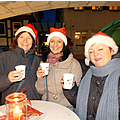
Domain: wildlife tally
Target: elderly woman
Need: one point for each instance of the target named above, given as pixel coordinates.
(98, 96)
(61, 61)
(22, 53)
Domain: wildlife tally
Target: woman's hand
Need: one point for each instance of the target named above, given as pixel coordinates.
(15, 76)
(62, 81)
(40, 73)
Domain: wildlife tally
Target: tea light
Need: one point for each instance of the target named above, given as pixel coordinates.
(17, 113)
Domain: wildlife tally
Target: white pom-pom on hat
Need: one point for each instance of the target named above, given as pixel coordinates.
(100, 37)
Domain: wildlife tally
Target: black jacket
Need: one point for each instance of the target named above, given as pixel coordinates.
(8, 61)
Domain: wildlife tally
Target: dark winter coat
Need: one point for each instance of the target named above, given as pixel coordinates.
(96, 89)
(8, 61)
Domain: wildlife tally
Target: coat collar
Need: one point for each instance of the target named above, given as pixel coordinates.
(21, 53)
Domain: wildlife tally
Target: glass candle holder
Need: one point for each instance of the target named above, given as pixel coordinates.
(16, 106)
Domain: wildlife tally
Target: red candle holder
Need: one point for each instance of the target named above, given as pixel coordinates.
(16, 106)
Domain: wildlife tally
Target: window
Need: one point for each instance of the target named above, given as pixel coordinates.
(81, 37)
(2, 29)
(93, 33)
(16, 25)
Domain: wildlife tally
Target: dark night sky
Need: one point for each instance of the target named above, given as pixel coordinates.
(49, 16)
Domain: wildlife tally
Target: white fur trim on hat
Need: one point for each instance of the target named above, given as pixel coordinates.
(57, 34)
(87, 61)
(106, 40)
(27, 29)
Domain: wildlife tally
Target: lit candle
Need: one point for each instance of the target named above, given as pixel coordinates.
(17, 113)
(16, 107)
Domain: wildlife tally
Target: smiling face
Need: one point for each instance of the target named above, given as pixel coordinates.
(100, 54)
(25, 41)
(56, 44)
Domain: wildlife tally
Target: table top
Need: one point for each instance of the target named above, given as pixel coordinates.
(51, 111)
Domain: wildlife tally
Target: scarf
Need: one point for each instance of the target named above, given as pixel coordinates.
(54, 58)
(108, 108)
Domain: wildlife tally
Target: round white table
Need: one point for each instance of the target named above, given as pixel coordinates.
(51, 111)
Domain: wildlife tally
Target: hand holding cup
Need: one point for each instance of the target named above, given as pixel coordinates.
(21, 68)
(18, 74)
(40, 73)
(42, 70)
(15, 76)
(67, 81)
(45, 67)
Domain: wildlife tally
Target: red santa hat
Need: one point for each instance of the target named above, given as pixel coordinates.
(61, 33)
(28, 28)
(100, 37)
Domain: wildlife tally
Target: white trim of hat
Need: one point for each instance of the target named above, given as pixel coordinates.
(27, 29)
(106, 40)
(57, 34)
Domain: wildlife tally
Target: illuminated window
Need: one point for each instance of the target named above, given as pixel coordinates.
(77, 35)
(79, 8)
(113, 8)
(75, 8)
(93, 33)
(81, 37)
(93, 7)
(84, 37)
(96, 7)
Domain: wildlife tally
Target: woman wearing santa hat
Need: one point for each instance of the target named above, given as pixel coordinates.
(61, 61)
(98, 96)
(22, 53)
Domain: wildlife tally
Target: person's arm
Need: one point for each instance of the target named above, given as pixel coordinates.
(40, 85)
(71, 95)
(77, 71)
(4, 81)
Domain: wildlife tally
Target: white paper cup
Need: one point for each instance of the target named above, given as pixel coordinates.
(68, 80)
(22, 69)
(45, 67)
